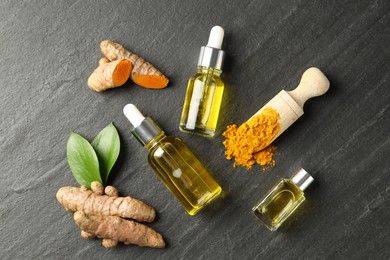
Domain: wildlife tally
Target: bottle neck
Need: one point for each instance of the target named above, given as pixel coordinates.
(211, 57)
(147, 131)
(155, 141)
(209, 70)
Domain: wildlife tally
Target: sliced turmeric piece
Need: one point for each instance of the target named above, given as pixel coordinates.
(114, 229)
(110, 74)
(148, 81)
(143, 74)
(80, 199)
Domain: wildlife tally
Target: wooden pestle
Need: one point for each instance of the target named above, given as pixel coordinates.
(289, 104)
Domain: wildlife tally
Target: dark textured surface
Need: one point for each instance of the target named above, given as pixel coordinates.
(49, 48)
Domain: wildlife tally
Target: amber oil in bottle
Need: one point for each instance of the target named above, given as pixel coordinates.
(282, 200)
(179, 169)
(205, 89)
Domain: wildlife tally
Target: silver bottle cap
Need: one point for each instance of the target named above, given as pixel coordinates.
(302, 179)
(146, 131)
(211, 57)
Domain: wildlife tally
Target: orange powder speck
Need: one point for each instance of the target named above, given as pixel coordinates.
(250, 143)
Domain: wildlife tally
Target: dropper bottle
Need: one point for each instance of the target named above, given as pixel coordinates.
(177, 166)
(205, 89)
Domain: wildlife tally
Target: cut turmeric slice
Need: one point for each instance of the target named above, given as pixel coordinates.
(143, 74)
(150, 81)
(110, 74)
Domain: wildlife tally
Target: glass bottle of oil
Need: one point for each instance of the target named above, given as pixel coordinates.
(177, 166)
(282, 200)
(205, 89)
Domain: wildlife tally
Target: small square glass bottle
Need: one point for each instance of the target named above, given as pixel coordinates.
(282, 200)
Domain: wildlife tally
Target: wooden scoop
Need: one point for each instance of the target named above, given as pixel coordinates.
(289, 104)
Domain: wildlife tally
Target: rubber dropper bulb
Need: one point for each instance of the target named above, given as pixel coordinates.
(216, 37)
(133, 115)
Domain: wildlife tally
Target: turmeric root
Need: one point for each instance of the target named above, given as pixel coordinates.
(118, 229)
(143, 74)
(100, 215)
(110, 74)
(79, 199)
(111, 191)
(97, 188)
(87, 235)
(109, 243)
(103, 61)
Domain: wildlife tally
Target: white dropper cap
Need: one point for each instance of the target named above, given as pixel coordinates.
(216, 37)
(133, 115)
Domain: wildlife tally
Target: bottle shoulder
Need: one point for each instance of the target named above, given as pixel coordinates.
(293, 187)
(173, 140)
(207, 73)
(201, 77)
(172, 146)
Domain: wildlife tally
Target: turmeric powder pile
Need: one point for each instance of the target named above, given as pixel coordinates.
(250, 142)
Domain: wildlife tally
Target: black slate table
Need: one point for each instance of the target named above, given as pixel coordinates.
(49, 48)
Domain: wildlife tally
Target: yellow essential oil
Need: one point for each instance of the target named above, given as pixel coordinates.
(208, 87)
(205, 89)
(182, 173)
(282, 200)
(179, 169)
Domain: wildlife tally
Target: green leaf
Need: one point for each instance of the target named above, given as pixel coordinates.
(107, 146)
(82, 160)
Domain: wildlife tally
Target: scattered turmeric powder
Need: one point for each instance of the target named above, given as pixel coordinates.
(250, 143)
